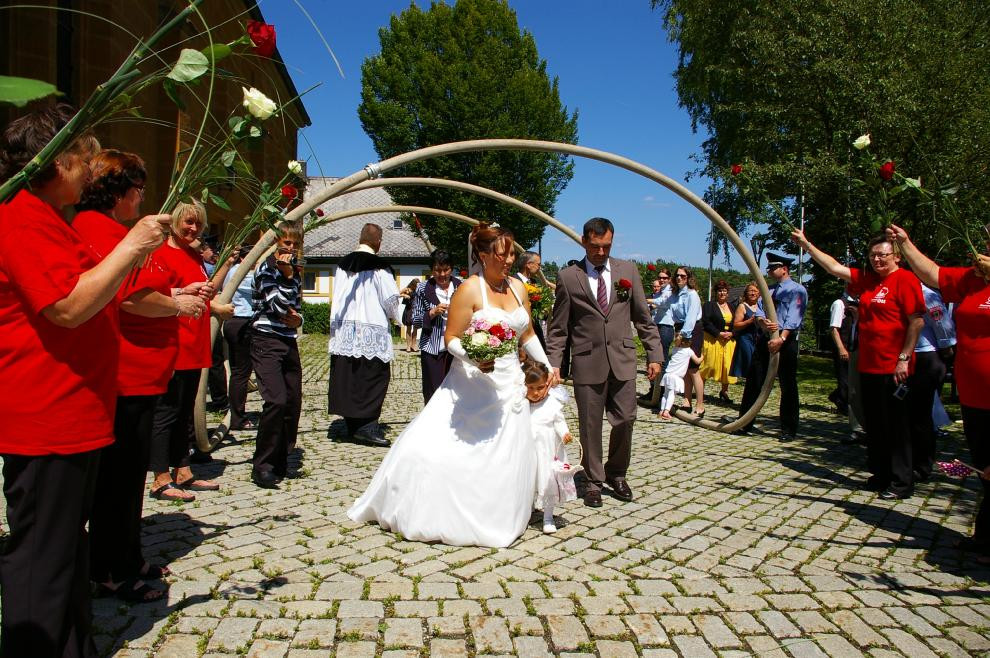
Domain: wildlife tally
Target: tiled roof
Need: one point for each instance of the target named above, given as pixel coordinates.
(340, 238)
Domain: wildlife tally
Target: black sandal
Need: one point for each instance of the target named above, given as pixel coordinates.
(159, 493)
(127, 591)
(154, 572)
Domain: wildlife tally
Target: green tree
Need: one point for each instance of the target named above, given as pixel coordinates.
(467, 72)
(785, 87)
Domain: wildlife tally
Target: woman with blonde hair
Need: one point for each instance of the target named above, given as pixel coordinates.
(172, 430)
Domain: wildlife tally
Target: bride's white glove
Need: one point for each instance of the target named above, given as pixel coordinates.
(457, 351)
(535, 350)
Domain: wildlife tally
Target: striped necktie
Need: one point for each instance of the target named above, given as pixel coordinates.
(602, 293)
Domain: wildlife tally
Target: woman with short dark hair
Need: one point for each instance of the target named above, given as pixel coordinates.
(719, 345)
(58, 374)
(148, 347)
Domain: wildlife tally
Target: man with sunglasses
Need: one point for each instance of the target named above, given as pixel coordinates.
(790, 299)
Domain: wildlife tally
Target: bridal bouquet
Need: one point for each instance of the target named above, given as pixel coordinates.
(486, 340)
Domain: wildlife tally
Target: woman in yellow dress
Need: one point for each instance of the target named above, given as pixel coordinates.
(716, 356)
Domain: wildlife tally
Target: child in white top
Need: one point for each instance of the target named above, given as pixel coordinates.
(554, 475)
(681, 357)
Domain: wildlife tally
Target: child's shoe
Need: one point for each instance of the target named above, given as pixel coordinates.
(549, 527)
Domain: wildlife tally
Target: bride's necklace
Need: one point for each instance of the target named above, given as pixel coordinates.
(503, 284)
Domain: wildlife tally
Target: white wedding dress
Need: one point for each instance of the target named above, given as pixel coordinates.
(464, 471)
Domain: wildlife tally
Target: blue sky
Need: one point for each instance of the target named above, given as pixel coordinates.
(615, 66)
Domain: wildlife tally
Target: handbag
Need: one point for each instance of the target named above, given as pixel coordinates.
(563, 472)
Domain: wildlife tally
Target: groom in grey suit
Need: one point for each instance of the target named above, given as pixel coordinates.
(594, 308)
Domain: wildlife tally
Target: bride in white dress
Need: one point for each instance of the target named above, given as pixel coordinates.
(464, 471)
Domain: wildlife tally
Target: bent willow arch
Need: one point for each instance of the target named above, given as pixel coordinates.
(377, 170)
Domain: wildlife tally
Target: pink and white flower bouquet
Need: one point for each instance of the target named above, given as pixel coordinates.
(486, 340)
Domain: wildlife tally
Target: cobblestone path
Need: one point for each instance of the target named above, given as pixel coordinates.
(733, 546)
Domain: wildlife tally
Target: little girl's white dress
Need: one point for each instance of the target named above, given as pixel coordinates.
(677, 366)
(554, 472)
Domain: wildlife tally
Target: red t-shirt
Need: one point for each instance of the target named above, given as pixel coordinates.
(149, 346)
(972, 315)
(884, 308)
(194, 334)
(59, 385)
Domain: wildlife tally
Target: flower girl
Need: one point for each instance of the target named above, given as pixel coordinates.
(555, 474)
(673, 377)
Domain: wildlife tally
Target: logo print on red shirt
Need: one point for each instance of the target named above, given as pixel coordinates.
(881, 296)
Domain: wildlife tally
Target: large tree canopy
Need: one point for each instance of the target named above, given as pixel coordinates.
(785, 87)
(467, 72)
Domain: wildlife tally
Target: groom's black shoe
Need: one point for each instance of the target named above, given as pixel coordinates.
(593, 498)
(620, 488)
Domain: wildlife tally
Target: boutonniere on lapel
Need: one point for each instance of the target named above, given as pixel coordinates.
(622, 289)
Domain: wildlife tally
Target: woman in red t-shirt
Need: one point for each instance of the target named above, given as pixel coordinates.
(172, 426)
(58, 369)
(891, 308)
(969, 289)
(148, 348)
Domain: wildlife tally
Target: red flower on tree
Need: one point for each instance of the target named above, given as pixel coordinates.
(651, 267)
(263, 37)
(736, 169)
(319, 212)
(463, 273)
(886, 170)
(289, 192)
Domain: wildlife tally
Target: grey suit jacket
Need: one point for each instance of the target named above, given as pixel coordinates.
(600, 343)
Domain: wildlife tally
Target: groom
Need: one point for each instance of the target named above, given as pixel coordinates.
(596, 300)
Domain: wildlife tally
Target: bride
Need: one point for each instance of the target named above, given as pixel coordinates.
(464, 471)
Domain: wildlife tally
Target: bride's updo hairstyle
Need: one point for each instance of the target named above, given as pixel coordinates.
(489, 239)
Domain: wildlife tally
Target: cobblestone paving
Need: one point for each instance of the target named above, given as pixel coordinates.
(733, 546)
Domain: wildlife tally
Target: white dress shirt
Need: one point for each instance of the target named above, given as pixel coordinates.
(593, 279)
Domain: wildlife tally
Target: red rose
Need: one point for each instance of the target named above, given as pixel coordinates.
(651, 267)
(463, 273)
(319, 212)
(535, 297)
(497, 331)
(625, 283)
(289, 191)
(263, 37)
(736, 169)
(887, 170)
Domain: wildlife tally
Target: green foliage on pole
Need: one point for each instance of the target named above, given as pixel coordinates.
(462, 72)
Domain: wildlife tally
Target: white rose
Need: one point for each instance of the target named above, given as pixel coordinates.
(295, 167)
(479, 338)
(862, 142)
(259, 105)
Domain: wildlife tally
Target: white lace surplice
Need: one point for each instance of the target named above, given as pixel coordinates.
(363, 305)
(464, 471)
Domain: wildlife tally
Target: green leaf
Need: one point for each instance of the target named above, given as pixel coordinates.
(271, 208)
(205, 195)
(190, 65)
(227, 158)
(219, 202)
(20, 91)
(243, 168)
(172, 91)
(216, 52)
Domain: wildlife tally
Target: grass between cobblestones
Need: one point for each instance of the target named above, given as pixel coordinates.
(732, 546)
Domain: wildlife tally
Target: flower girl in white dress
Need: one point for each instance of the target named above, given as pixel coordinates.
(681, 357)
(554, 472)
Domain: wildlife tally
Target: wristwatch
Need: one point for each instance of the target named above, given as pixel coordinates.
(903, 357)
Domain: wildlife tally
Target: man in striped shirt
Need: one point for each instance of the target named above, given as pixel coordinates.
(277, 302)
(430, 303)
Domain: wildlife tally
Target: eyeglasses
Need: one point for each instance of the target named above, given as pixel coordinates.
(878, 255)
(140, 189)
(681, 276)
(663, 277)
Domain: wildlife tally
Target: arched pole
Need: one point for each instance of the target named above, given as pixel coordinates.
(376, 170)
(423, 210)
